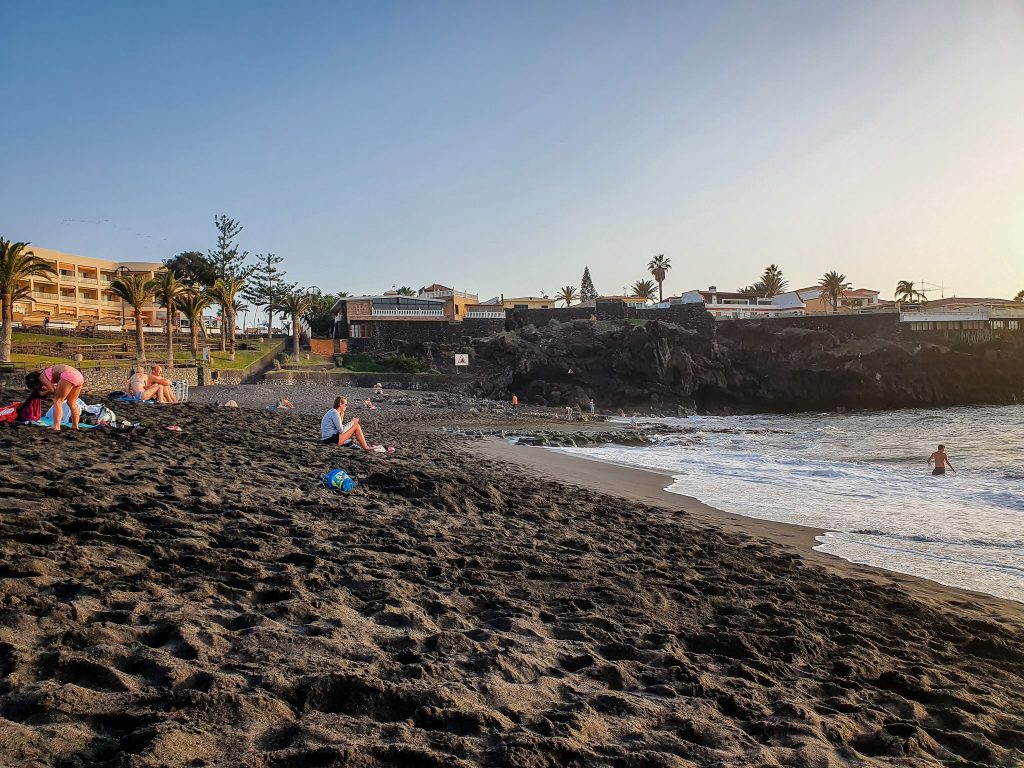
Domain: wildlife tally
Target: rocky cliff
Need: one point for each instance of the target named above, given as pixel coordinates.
(739, 366)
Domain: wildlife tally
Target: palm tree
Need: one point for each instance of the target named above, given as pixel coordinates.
(405, 290)
(192, 304)
(832, 287)
(168, 291)
(773, 282)
(294, 305)
(225, 292)
(908, 292)
(17, 264)
(1019, 296)
(136, 291)
(568, 294)
(659, 267)
(643, 289)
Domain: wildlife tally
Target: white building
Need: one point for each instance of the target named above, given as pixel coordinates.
(727, 305)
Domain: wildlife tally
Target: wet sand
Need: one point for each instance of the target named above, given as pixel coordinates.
(194, 598)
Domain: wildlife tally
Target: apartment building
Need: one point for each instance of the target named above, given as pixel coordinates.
(79, 292)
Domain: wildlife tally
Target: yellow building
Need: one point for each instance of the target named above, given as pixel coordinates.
(79, 294)
(529, 302)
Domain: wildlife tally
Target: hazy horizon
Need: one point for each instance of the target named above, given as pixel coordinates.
(502, 148)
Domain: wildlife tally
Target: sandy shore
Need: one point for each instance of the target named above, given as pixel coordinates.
(194, 598)
(647, 486)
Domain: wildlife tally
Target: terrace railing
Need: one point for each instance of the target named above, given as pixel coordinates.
(375, 312)
(480, 314)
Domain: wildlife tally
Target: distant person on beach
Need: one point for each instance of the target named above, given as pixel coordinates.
(284, 404)
(378, 388)
(515, 405)
(64, 383)
(591, 406)
(334, 430)
(568, 413)
(369, 404)
(941, 461)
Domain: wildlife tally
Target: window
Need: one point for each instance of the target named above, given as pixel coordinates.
(1013, 325)
(998, 324)
(521, 306)
(356, 331)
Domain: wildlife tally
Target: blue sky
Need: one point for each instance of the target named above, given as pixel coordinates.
(503, 147)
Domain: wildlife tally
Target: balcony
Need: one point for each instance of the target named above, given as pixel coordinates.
(480, 314)
(66, 276)
(375, 312)
(86, 279)
(448, 295)
(44, 295)
(86, 300)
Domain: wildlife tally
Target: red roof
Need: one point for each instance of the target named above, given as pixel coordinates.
(435, 287)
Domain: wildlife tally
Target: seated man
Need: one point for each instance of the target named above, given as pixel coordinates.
(335, 431)
(165, 393)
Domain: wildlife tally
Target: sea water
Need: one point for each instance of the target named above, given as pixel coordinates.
(863, 478)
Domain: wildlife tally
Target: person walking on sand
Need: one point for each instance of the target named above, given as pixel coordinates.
(515, 405)
(940, 460)
(591, 406)
(65, 384)
(334, 430)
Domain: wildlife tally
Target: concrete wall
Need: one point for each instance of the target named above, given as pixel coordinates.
(390, 381)
(101, 381)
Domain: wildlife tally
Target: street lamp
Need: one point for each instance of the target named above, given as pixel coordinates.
(118, 274)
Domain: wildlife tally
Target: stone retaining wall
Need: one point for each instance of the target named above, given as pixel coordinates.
(336, 378)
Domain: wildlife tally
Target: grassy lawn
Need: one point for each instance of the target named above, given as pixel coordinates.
(21, 337)
(243, 358)
(218, 360)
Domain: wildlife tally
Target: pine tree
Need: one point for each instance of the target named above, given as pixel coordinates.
(587, 290)
(226, 259)
(266, 285)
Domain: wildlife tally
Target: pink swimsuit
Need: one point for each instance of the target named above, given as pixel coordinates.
(71, 375)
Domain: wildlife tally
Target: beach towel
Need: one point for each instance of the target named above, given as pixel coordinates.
(9, 412)
(134, 399)
(180, 389)
(47, 421)
(66, 416)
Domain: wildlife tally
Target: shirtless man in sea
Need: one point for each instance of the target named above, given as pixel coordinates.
(941, 461)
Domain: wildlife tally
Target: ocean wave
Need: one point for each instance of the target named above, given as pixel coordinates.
(989, 543)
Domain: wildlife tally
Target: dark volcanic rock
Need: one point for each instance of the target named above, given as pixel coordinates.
(739, 366)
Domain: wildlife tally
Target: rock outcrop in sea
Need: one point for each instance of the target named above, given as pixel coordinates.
(741, 366)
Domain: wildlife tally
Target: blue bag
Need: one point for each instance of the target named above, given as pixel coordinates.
(338, 480)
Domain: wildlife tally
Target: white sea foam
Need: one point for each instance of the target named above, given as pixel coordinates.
(862, 477)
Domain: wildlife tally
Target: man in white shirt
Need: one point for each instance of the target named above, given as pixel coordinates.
(335, 431)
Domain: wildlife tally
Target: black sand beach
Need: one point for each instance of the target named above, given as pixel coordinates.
(195, 599)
